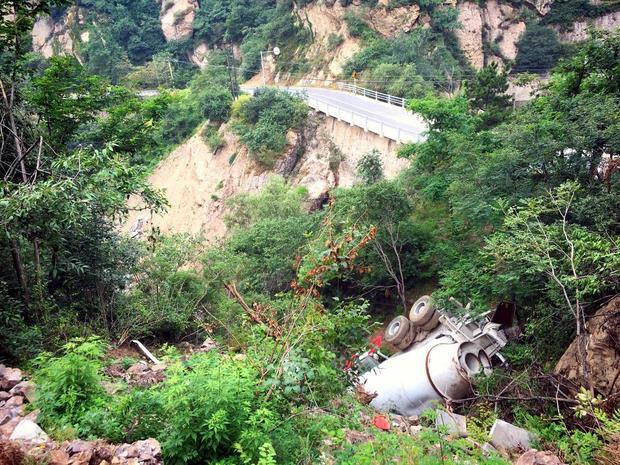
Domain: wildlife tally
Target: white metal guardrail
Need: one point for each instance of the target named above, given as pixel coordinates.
(373, 94)
(368, 124)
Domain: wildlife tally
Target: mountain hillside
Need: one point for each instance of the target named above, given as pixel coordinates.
(320, 38)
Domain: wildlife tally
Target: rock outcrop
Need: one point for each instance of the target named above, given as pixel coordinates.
(177, 17)
(579, 30)
(23, 440)
(602, 352)
(494, 23)
(51, 37)
(470, 35)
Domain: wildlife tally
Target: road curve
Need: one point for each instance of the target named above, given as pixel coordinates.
(384, 119)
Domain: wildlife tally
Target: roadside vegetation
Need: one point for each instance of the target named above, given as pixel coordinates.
(498, 204)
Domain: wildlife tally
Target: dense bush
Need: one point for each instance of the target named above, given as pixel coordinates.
(422, 56)
(359, 28)
(566, 12)
(263, 121)
(69, 385)
(539, 49)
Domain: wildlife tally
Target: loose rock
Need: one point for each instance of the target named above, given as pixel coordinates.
(535, 457)
(508, 438)
(455, 424)
(29, 431)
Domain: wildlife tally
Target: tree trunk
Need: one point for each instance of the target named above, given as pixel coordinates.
(19, 272)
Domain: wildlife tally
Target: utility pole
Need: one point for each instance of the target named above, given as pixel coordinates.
(232, 72)
(171, 75)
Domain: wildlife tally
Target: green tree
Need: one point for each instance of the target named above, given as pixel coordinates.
(65, 96)
(370, 167)
(486, 92)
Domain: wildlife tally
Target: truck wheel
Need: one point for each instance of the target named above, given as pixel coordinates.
(422, 311)
(409, 337)
(432, 324)
(397, 330)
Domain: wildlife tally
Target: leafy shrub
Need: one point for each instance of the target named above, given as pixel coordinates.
(214, 103)
(69, 385)
(334, 41)
(207, 407)
(213, 138)
(370, 167)
(163, 301)
(181, 119)
(263, 121)
(359, 28)
(539, 49)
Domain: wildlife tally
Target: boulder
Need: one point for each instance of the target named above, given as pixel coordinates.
(506, 437)
(456, 425)
(57, 457)
(535, 457)
(14, 401)
(602, 352)
(7, 413)
(29, 431)
(7, 428)
(4, 395)
(9, 377)
(24, 389)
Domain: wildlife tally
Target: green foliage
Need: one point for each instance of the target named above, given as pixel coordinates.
(213, 138)
(539, 49)
(566, 12)
(70, 384)
(166, 293)
(264, 120)
(275, 201)
(66, 96)
(487, 93)
(131, 26)
(370, 167)
(359, 28)
(334, 41)
(424, 48)
(400, 80)
(402, 448)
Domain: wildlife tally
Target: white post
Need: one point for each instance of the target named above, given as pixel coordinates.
(366, 124)
(398, 135)
(382, 135)
(352, 119)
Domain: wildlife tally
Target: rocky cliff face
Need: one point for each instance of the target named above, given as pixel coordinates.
(177, 17)
(495, 23)
(51, 37)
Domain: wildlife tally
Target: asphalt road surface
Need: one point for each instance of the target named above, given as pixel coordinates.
(391, 121)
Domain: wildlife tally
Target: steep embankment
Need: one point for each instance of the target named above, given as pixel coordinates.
(197, 182)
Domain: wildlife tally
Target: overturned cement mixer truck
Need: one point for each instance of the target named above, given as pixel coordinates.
(439, 355)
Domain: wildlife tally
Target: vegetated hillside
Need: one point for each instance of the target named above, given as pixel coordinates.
(388, 43)
(257, 331)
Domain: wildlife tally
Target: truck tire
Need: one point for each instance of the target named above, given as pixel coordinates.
(408, 339)
(422, 311)
(397, 330)
(433, 322)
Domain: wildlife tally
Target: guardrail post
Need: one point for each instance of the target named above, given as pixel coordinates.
(398, 135)
(382, 134)
(366, 124)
